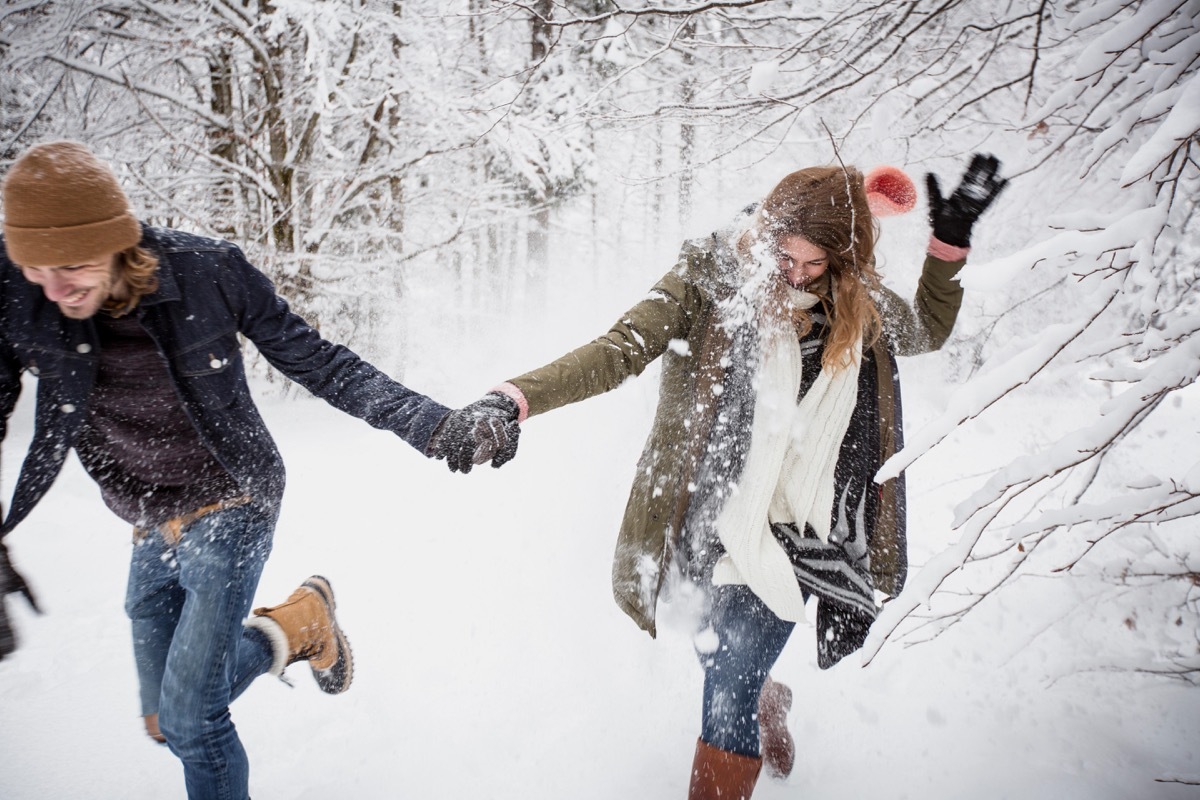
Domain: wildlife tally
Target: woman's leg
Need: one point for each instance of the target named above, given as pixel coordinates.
(749, 639)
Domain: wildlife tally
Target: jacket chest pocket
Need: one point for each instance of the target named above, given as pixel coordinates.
(211, 375)
(40, 362)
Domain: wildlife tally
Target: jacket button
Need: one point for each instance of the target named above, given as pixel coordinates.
(83, 348)
(68, 408)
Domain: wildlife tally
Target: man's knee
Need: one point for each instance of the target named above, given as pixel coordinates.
(181, 723)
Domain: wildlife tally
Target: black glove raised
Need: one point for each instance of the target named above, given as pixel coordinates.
(11, 582)
(953, 216)
(485, 430)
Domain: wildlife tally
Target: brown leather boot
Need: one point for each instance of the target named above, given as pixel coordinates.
(304, 628)
(721, 775)
(151, 722)
(778, 746)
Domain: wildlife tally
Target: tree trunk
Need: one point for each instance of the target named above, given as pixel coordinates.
(687, 131)
(538, 231)
(222, 147)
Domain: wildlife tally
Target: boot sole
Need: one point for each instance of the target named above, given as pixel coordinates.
(337, 678)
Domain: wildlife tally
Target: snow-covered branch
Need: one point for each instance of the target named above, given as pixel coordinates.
(1130, 320)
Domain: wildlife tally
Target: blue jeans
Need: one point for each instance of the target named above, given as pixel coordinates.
(750, 639)
(187, 602)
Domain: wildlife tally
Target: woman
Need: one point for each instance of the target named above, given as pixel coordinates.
(779, 402)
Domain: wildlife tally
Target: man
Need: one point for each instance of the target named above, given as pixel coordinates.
(132, 332)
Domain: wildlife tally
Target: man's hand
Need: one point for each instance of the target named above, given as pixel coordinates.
(953, 216)
(486, 430)
(11, 582)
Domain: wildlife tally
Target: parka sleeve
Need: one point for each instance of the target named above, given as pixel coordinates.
(641, 335)
(330, 371)
(925, 325)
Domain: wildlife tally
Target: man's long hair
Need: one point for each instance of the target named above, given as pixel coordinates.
(137, 269)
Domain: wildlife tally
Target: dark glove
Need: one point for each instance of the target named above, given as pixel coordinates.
(953, 216)
(485, 430)
(11, 582)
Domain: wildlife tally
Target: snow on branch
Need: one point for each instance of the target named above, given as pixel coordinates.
(1127, 318)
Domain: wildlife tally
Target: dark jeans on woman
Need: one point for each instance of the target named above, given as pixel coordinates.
(750, 639)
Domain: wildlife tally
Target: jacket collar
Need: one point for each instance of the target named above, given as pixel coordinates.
(168, 287)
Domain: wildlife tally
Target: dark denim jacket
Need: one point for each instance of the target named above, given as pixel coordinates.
(208, 293)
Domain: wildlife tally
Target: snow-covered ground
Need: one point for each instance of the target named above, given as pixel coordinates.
(491, 661)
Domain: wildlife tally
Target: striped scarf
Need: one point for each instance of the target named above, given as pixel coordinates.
(787, 485)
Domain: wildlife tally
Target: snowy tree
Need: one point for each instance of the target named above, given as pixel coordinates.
(1097, 499)
(208, 108)
(303, 131)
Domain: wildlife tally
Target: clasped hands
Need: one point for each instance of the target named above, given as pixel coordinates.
(486, 430)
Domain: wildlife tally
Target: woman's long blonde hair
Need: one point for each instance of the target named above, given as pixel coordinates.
(828, 207)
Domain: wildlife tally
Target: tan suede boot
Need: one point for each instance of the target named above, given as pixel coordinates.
(304, 628)
(778, 746)
(721, 775)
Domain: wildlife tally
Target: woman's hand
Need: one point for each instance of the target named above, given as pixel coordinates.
(953, 216)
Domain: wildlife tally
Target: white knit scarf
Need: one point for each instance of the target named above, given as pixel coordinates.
(788, 472)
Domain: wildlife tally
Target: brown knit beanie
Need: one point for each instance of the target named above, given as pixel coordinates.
(62, 205)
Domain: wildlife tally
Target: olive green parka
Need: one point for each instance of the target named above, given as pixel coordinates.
(678, 321)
